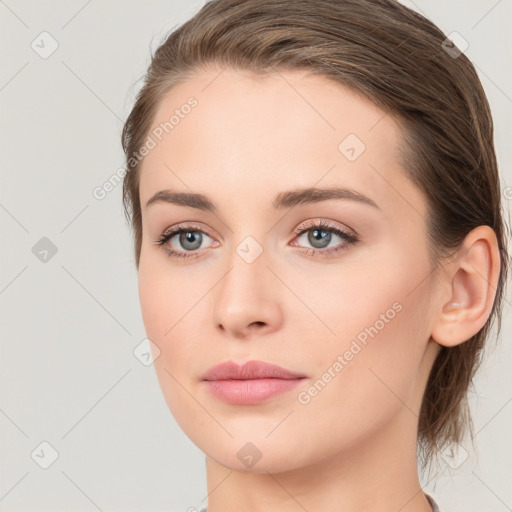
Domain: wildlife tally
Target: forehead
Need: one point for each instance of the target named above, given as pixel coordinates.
(251, 132)
(263, 104)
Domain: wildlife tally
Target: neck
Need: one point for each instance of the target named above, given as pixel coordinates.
(379, 473)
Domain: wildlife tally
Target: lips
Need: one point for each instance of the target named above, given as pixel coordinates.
(251, 383)
(249, 370)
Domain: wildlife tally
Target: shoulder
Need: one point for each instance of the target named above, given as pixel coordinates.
(431, 500)
(433, 504)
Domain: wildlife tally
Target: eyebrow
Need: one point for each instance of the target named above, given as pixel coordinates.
(283, 200)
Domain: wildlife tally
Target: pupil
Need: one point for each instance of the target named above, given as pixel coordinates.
(188, 237)
(319, 235)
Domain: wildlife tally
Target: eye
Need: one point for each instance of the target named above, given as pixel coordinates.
(320, 234)
(191, 238)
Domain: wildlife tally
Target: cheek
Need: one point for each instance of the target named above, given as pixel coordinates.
(153, 299)
(170, 308)
(162, 295)
(364, 376)
(377, 323)
(164, 312)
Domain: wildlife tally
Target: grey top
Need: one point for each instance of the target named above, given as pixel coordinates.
(433, 504)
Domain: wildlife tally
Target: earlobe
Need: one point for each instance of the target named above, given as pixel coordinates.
(471, 279)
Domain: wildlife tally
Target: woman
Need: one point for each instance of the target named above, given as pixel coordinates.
(317, 224)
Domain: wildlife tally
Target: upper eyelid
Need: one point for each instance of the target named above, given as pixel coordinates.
(348, 237)
(324, 224)
(299, 231)
(184, 226)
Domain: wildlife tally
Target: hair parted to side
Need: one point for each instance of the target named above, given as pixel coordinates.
(394, 56)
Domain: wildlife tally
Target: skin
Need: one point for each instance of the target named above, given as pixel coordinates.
(353, 446)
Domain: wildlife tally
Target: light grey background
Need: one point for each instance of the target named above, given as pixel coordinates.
(68, 373)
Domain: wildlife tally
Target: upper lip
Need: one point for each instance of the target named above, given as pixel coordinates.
(249, 370)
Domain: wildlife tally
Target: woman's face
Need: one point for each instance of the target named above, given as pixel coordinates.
(346, 305)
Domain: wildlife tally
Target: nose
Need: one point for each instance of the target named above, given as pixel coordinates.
(247, 299)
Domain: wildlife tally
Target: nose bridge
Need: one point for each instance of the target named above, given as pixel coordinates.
(246, 279)
(245, 294)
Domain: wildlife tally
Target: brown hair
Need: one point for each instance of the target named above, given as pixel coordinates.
(396, 58)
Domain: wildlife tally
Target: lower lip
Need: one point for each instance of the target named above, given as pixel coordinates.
(250, 391)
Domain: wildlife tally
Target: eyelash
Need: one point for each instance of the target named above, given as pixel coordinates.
(350, 239)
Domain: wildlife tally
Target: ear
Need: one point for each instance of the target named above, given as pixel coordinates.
(469, 284)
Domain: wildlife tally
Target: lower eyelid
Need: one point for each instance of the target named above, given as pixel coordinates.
(347, 238)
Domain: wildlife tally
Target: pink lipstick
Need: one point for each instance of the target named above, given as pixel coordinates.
(250, 383)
